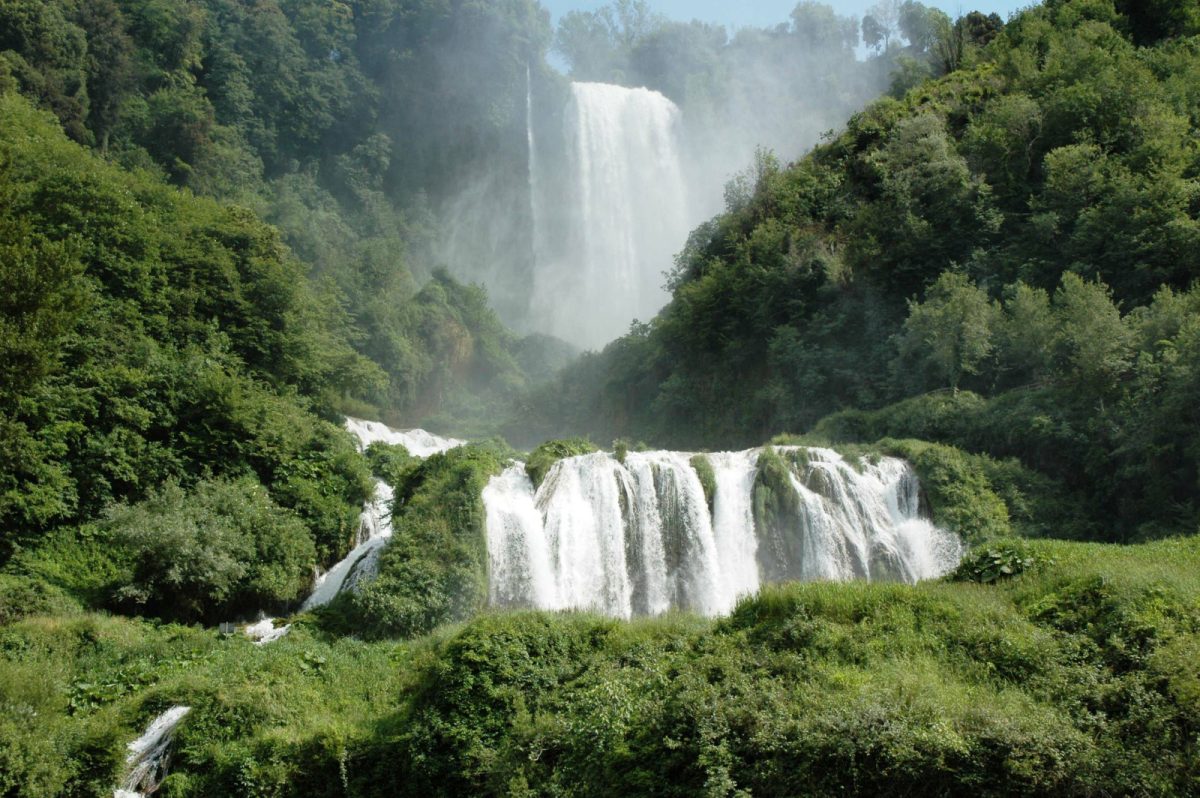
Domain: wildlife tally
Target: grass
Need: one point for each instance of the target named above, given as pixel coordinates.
(1076, 677)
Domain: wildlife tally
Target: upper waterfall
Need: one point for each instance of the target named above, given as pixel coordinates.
(601, 252)
(647, 535)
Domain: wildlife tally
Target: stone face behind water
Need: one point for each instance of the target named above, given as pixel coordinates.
(638, 538)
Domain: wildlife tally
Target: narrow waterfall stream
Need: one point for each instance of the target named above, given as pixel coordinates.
(149, 755)
(375, 523)
(641, 537)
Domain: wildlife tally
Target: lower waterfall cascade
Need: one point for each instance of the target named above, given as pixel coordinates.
(642, 537)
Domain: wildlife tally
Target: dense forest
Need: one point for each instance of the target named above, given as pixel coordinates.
(226, 226)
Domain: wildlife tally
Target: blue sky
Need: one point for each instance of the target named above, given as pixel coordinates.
(759, 13)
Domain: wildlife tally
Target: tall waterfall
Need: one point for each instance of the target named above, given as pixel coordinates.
(375, 522)
(601, 255)
(641, 537)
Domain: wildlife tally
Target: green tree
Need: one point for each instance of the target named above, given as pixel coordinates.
(220, 550)
(951, 334)
(1092, 345)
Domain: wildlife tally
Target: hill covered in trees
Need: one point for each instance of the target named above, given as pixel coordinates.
(220, 229)
(1008, 251)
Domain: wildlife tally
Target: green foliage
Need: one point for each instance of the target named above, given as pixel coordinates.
(941, 688)
(153, 336)
(998, 560)
(22, 596)
(390, 462)
(435, 569)
(221, 550)
(950, 333)
(543, 458)
(296, 110)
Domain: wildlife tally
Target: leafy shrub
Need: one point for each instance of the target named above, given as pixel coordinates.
(216, 551)
(389, 462)
(22, 596)
(998, 560)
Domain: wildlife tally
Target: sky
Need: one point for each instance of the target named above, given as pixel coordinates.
(762, 13)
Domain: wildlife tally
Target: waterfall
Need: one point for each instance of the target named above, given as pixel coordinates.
(149, 755)
(418, 442)
(640, 537)
(536, 197)
(375, 522)
(265, 632)
(625, 215)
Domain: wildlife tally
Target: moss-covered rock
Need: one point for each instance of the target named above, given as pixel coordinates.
(543, 458)
(708, 478)
(777, 517)
(435, 569)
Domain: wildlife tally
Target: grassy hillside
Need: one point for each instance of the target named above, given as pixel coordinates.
(1071, 677)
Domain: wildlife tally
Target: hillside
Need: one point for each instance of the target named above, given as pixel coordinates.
(340, 125)
(931, 527)
(1074, 678)
(1021, 233)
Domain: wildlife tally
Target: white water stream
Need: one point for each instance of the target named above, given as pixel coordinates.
(149, 755)
(601, 255)
(375, 523)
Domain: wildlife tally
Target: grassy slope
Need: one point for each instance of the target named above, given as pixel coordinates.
(1075, 679)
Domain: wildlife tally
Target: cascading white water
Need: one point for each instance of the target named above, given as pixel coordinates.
(375, 523)
(627, 216)
(148, 755)
(418, 442)
(639, 538)
(265, 632)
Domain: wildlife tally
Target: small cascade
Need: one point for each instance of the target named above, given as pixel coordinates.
(374, 531)
(640, 537)
(149, 755)
(375, 523)
(265, 631)
(418, 442)
(733, 520)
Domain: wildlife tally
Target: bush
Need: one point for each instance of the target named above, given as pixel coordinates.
(998, 560)
(220, 550)
(22, 596)
(390, 462)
